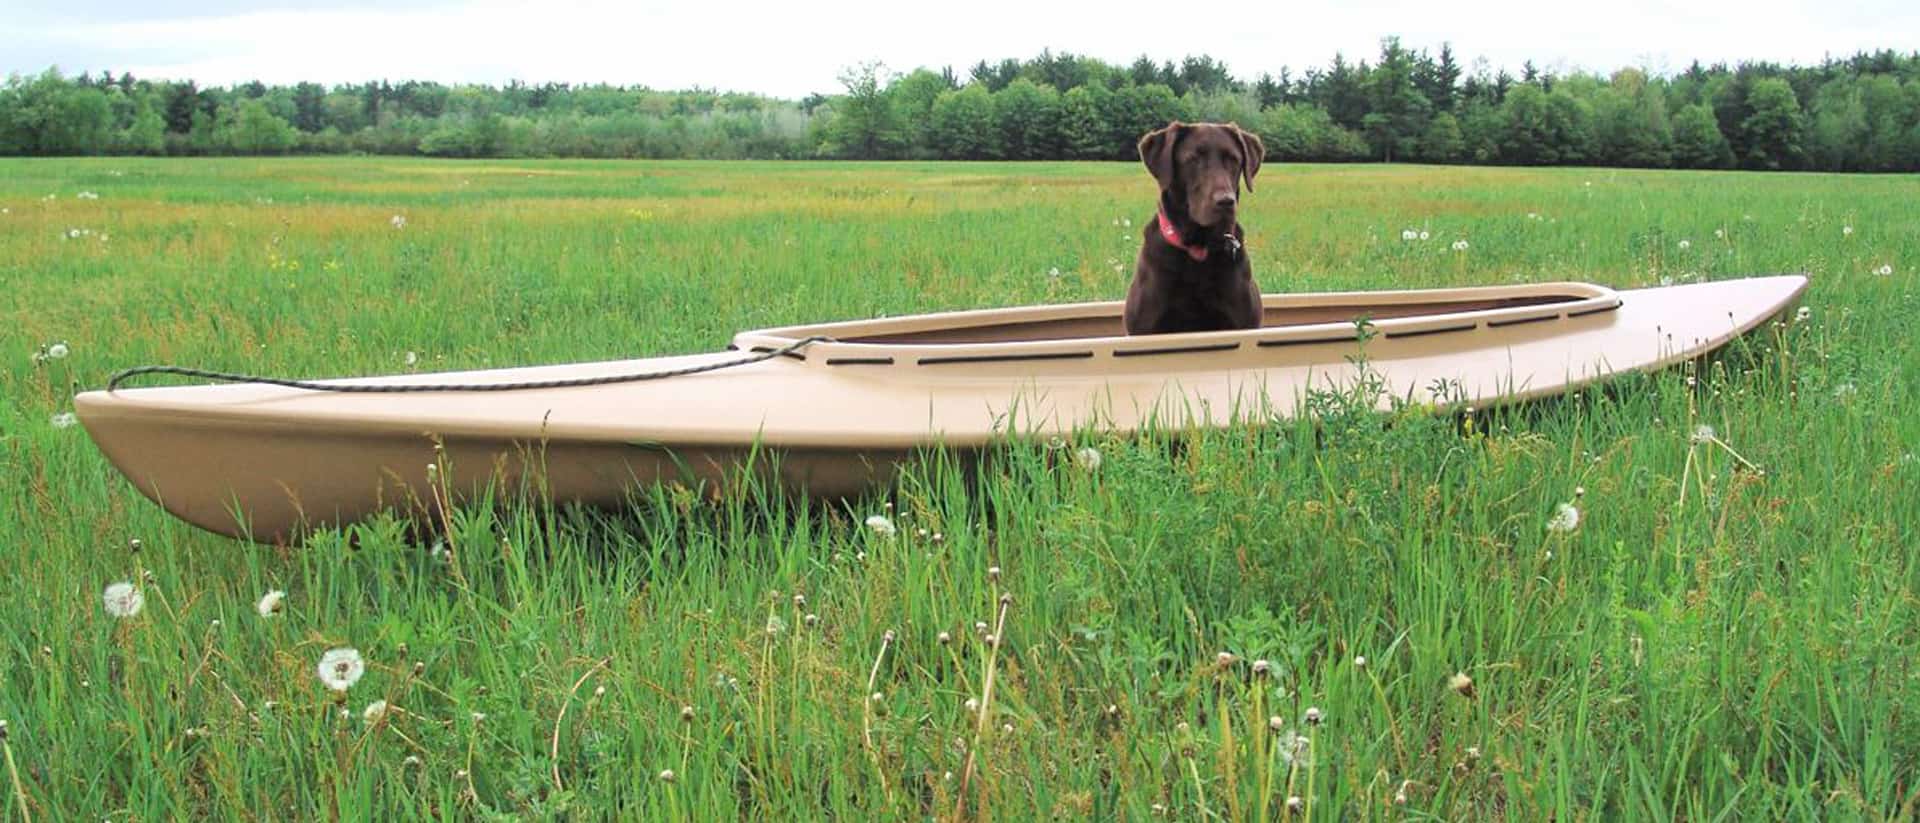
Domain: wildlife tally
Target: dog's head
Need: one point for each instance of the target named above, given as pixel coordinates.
(1200, 165)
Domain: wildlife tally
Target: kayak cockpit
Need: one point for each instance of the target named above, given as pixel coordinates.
(1082, 331)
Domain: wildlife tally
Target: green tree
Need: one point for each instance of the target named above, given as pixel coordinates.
(1775, 131)
(1526, 130)
(962, 124)
(1697, 141)
(1397, 111)
(252, 128)
(50, 115)
(1028, 117)
(866, 125)
(1630, 123)
(309, 107)
(148, 132)
(913, 97)
(1442, 142)
(1083, 122)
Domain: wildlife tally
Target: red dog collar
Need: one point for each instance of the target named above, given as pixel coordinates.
(1173, 239)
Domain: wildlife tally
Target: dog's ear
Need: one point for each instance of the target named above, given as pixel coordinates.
(1252, 151)
(1156, 151)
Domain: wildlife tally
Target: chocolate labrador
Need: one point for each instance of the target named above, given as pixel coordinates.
(1192, 273)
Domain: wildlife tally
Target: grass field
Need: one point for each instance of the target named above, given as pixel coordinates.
(1710, 642)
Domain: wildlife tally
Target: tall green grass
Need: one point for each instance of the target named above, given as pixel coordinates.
(1712, 641)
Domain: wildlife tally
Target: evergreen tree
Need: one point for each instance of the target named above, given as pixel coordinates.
(1397, 111)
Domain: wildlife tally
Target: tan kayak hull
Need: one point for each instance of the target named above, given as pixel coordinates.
(840, 417)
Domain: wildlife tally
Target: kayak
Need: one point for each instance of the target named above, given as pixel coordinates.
(836, 409)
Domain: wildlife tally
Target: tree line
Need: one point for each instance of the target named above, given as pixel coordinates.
(1860, 113)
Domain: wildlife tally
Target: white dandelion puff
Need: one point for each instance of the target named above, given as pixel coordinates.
(775, 625)
(271, 603)
(413, 358)
(87, 195)
(1846, 231)
(1686, 244)
(1460, 245)
(1425, 236)
(57, 351)
(882, 525)
(1053, 272)
(1087, 458)
(123, 600)
(1803, 315)
(1409, 234)
(1884, 270)
(1719, 234)
(399, 221)
(340, 668)
(1565, 519)
(375, 711)
(1704, 433)
(63, 420)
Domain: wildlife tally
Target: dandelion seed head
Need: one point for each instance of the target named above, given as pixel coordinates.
(1314, 716)
(63, 420)
(1565, 519)
(1460, 245)
(666, 776)
(1884, 270)
(399, 221)
(1224, 658)
(123, 600)
(1087, 458)
(340, 668)
(1686, 244)
(1360, 661)
(1425, 236)
(271, 603)
(374, 711)
(1704, 433)
(1846, 231)
(1461, 684)
(1262, 667)
(882, 525)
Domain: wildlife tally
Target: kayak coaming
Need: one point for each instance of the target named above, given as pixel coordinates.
(841, 415)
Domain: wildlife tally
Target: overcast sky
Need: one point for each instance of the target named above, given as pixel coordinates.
(789, 49)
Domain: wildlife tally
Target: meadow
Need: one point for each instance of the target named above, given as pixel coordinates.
(1358, 616)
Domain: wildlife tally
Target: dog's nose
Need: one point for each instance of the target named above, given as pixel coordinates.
(1224, 201)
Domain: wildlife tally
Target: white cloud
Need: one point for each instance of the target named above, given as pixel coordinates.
(791, 49)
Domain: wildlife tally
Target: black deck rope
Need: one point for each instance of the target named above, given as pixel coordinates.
(398, 388)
